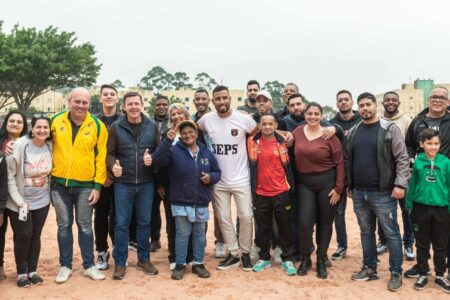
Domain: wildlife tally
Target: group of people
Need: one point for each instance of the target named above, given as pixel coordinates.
(290, 172)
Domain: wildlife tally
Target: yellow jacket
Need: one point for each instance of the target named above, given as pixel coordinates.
(82, 163)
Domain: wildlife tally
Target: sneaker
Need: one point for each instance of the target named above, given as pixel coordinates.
(421, 283)
(254, 255)
(289, 268)
(132, 246)
(414, 272)
(381, 248)
(102, 260)
(261, 265)
(119, 272)
(155, 245)
(277, 255)
(365, 274)
(409, 254)
(172, 266)
(220, 250)
(2, 273)
(395, 283)
(178, 272)
(200, 270)
(339, 254)
(443, 283)
(246, 262)
(147, 267)
(23, 282)
(63, 275)
(36, 279)
(305, 265)
(328, 263)
(93, 273)
(228, 262)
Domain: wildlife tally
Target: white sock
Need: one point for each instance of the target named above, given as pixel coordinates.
(31, 274)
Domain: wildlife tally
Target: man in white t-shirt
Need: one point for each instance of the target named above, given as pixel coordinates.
(227, 130)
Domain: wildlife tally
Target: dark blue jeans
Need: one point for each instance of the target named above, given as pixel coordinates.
(65, 199)
(141, 196)
(339, 221)
(408, 233)
(369, 206)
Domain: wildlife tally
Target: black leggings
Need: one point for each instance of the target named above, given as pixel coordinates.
(315, 208)
(3, 237)
(104, 219)
(27, 238)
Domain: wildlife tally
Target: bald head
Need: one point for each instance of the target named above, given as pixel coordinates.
(79, 103)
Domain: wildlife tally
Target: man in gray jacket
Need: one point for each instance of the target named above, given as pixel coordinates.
(377, 167)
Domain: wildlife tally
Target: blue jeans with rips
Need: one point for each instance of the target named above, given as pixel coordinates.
(408, 232)
(369, 206)
(141, 196)
(65, 199)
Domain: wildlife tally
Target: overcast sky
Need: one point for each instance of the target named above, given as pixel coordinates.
(323, 46)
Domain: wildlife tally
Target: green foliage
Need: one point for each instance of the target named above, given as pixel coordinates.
(96, 106)
(205, 81)
(33, 62)
(275, 88)
(118, 84)
(181, 80)
(157, 79)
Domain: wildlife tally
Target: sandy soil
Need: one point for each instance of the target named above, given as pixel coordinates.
(231, 284)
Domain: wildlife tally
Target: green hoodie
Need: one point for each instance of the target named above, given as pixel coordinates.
(429, 188)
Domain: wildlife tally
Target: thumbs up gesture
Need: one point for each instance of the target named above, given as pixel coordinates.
(147, 158)
(117, 169)
(205, 178)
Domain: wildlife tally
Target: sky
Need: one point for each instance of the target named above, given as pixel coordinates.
(323, 46)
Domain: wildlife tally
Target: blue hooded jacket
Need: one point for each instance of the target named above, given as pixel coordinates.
(186, 188)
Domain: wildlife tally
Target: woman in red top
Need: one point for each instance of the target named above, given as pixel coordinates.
(321, 166)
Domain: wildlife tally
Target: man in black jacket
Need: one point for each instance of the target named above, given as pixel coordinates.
(346, 118)
(131, 140)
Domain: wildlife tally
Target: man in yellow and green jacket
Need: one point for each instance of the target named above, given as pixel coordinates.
(79, 171)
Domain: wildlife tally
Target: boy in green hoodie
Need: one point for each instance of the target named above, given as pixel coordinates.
(429, 202)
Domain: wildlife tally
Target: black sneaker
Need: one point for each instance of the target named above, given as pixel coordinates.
(305, 265)
(421, 282)
(443, 283)
(339, 254)
(246, 262)
(178, 272)
(200, 270)
(132, 246)
(36, 279)
(365, 274)
(228, 262)
(155, 245)
(395, 283)
(414, 272)
(23, 282)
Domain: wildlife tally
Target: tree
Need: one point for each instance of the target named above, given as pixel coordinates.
(157, 79)
(33, 62)
(205, 81)
(118, 84)
(275, 89)
(181, 80)
(328, 112)
(96, 106)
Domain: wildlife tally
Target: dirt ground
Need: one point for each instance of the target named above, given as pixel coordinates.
(272, 283)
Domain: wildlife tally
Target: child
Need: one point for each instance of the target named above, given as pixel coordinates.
(271, 179)
(429, 202)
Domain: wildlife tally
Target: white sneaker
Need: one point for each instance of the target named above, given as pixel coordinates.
(277, 255)
(102, 260)
(220, 250)
(93, 273)
(172, 266)
(63, 275)
(254, 254)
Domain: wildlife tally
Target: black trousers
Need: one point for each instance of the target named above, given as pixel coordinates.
(431, 225)
(104, 219)
(315, 208)
(156, 222)
(3, 237)
(27, 238)
(265, 209)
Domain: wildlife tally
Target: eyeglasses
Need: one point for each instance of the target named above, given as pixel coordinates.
(438, 98)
